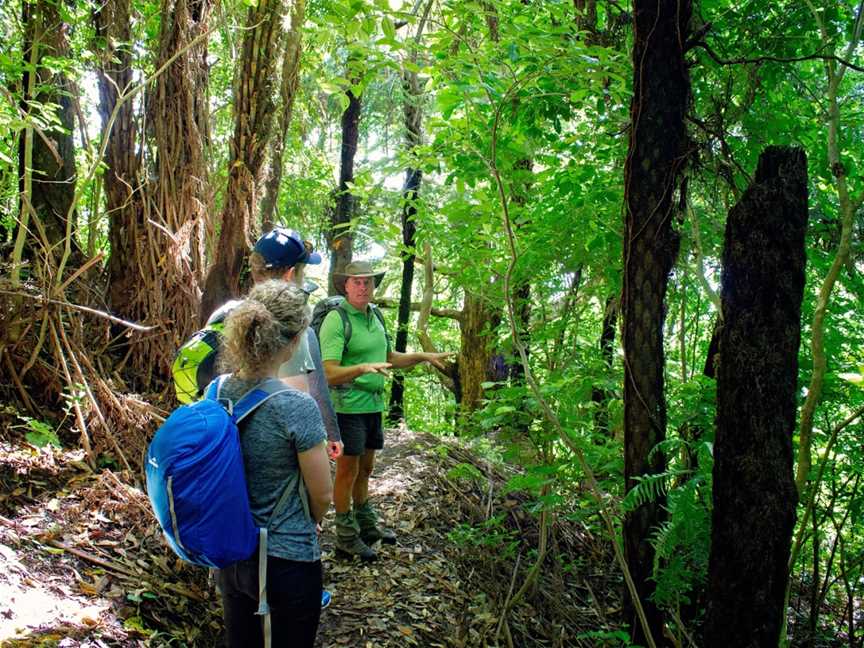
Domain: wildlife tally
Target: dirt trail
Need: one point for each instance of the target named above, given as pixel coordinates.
(82, 564)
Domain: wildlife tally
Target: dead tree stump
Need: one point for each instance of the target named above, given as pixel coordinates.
(757, 370)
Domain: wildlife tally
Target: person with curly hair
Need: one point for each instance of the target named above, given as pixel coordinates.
(283, 436)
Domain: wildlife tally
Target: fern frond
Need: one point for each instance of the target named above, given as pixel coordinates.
(650, 488)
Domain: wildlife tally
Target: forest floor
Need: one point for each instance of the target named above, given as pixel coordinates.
(82, 563)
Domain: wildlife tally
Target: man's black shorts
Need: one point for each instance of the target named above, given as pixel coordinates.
(361, 432)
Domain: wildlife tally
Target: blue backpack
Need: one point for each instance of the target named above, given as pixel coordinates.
(196, 482)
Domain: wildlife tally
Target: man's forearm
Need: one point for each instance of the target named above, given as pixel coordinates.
(339, 375)
(405, 360)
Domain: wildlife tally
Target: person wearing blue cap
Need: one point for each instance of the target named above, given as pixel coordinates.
(283, 254)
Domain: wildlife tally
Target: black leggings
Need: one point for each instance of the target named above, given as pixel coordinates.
(293, 592)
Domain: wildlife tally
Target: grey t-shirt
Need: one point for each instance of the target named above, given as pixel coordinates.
(271, 437)
(306, 361)
(300, 363)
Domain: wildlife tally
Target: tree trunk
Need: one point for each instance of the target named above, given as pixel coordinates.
(124, 194)
(657, 151)
(757, 369)
(180, 121)
(289, 83)
(478, 319)
(181, 125)
(600, 395)
(413, 177)
(53, 165)
(253, 120)
(340, 238)
(522, 175)
(586, 15)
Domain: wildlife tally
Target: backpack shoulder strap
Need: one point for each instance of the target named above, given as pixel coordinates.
(215, 386)
(255, 397)
(295, 483)
(380, 317)
(346, 326)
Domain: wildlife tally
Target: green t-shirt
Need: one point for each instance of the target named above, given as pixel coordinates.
(368, 343)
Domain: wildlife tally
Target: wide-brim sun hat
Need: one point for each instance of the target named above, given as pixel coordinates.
(284, 248)
(356, 269)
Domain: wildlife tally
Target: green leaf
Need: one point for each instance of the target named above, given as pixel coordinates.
(388, 28)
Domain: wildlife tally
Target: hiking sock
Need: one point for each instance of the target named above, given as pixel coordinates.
(370, 530)
(348, 541)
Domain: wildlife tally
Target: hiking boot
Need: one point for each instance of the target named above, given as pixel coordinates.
(348, 542)
(370, 531)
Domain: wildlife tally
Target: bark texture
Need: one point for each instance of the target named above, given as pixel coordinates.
(757, 368)
(125, 198)
(657, 151)
(181, 125)
(253, 121)
(181, 192)
(340, 238)
(479, 320)
(289, 83)
(54, 172)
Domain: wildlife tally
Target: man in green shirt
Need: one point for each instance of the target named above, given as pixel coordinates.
(356, 374)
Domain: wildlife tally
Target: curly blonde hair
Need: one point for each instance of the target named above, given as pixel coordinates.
(267, 322)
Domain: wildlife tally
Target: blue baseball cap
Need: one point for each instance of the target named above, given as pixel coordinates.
(284, 248)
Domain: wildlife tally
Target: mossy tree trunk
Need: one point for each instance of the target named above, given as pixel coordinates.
(657, 152)
(757, 369)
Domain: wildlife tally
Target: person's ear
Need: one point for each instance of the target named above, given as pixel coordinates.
(289, 274)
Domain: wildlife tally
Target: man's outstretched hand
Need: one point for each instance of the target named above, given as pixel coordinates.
(437, 360)
(377, 367)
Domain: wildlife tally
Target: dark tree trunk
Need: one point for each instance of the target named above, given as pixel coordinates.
(253, 120)
(409, 229)
(125, 196)
(340, 237)
(657, 152)
(757, 369)
(290, 81)
(53, 170)
(586, 15)
(522, 175)
(600, 395)
(410, 193)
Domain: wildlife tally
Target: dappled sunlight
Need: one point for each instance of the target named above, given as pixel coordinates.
(27, 606)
